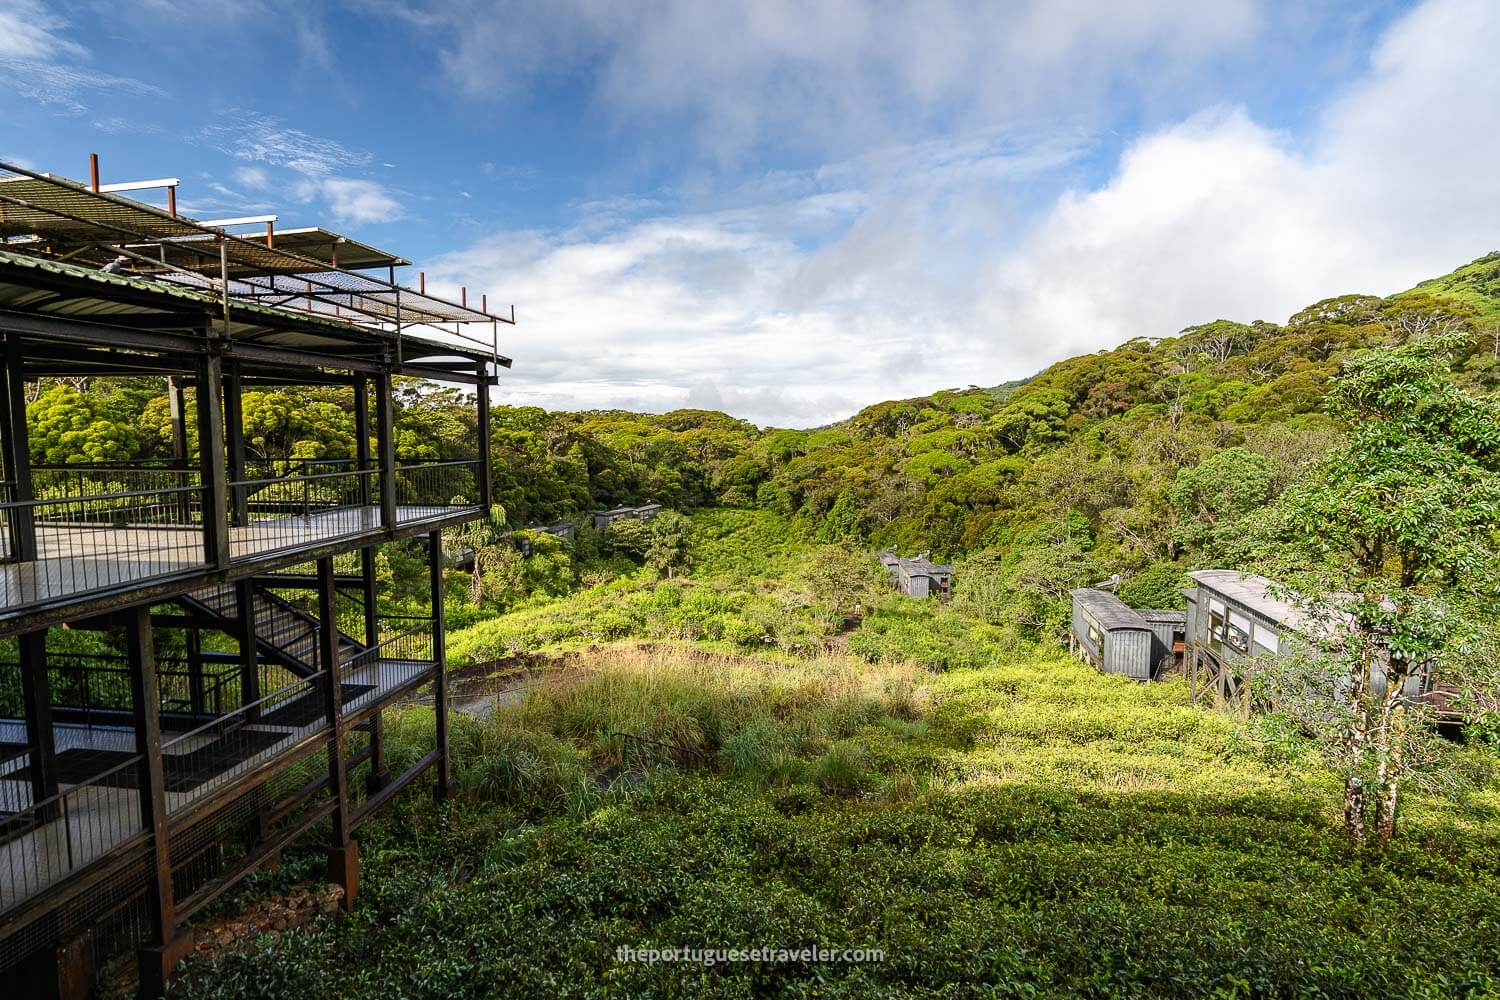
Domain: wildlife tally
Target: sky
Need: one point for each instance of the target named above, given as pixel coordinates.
(789, 210)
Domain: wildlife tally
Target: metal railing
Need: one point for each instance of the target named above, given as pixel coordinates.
(297, 510)
(85, 543)
(66, 831)
(218, 752)
(90, 683)
(431, 489)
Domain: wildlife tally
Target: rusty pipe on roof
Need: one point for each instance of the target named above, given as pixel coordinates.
(94, 172)
(172, 200)
(422, 282)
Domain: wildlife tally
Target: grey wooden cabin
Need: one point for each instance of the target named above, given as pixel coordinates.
(919, 576)
(1235, 618)
(645, 512)
(1111, 635)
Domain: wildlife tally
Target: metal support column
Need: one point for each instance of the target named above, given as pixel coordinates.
(36, 695)
(343, 852)
(234, 444)
(385, 433)
(482, 370)
(210, 400)
(440, 660)
(177, 410)
(362, 437)
(17, 443)
(378, 776)
(166, 944)
(194, 643)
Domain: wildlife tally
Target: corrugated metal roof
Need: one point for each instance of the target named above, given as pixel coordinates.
(296, 328)
(1253, 592)
(1108, 610)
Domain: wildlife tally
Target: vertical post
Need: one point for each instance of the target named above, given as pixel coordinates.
(177, 410)
(440, 663)
(234, 444)
(244, 606)
(482, 370)
(362, 437)
(378, 775)
(36, 693)
(343, 852)
(17, 443)
(194, 644)
(165, 945)
(211, 458)
(385, 433)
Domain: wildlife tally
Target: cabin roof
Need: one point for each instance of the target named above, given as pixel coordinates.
(1159, 617)
(922, 566)
(1253, 592)
(1108, 610)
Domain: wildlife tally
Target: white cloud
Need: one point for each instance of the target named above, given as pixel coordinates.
(359, 201)
(260, 138)
(925, 265)
(32, 33)
(833, 73)
(1220, 217)
(253, 178)
(38, 62)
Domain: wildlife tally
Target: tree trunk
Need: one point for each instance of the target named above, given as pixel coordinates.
(1390, 786)
(1354, 810)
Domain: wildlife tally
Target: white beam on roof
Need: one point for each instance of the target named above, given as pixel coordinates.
(160, 182)
(244, 220)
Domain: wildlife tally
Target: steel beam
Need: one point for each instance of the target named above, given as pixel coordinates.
(234, 444)
(21, 521)
(440, 670)
(210, 399)
(343, 852)
(165, 944)
(385, 432)
(485, 480)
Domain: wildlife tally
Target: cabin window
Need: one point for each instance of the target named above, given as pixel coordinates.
(1216, 613)
(1095, 638)
(1238, 635)
(1266, 642)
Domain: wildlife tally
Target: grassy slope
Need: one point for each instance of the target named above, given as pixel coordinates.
(1476, 284)
(1022, 828)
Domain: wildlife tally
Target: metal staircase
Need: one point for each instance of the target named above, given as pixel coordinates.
(284, 633)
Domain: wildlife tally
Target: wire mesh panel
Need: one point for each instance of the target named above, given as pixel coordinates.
(435, 489)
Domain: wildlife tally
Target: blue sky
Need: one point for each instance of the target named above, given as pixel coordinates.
(792, 209)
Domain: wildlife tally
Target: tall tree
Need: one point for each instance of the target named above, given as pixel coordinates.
(1393, 540)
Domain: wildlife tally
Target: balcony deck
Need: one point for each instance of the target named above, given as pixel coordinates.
(78, 559)
(101, 810)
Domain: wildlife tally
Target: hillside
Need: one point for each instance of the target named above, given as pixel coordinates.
(775, 751)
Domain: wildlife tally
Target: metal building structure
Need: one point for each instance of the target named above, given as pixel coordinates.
(135, 790)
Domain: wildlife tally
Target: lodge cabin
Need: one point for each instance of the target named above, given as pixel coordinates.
(566, 530)
(919, 576)
(243, 709)
(1119, 639)
(1235, 618)
(645, 512)
(1110, 634)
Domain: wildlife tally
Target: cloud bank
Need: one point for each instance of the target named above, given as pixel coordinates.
(925, 265)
